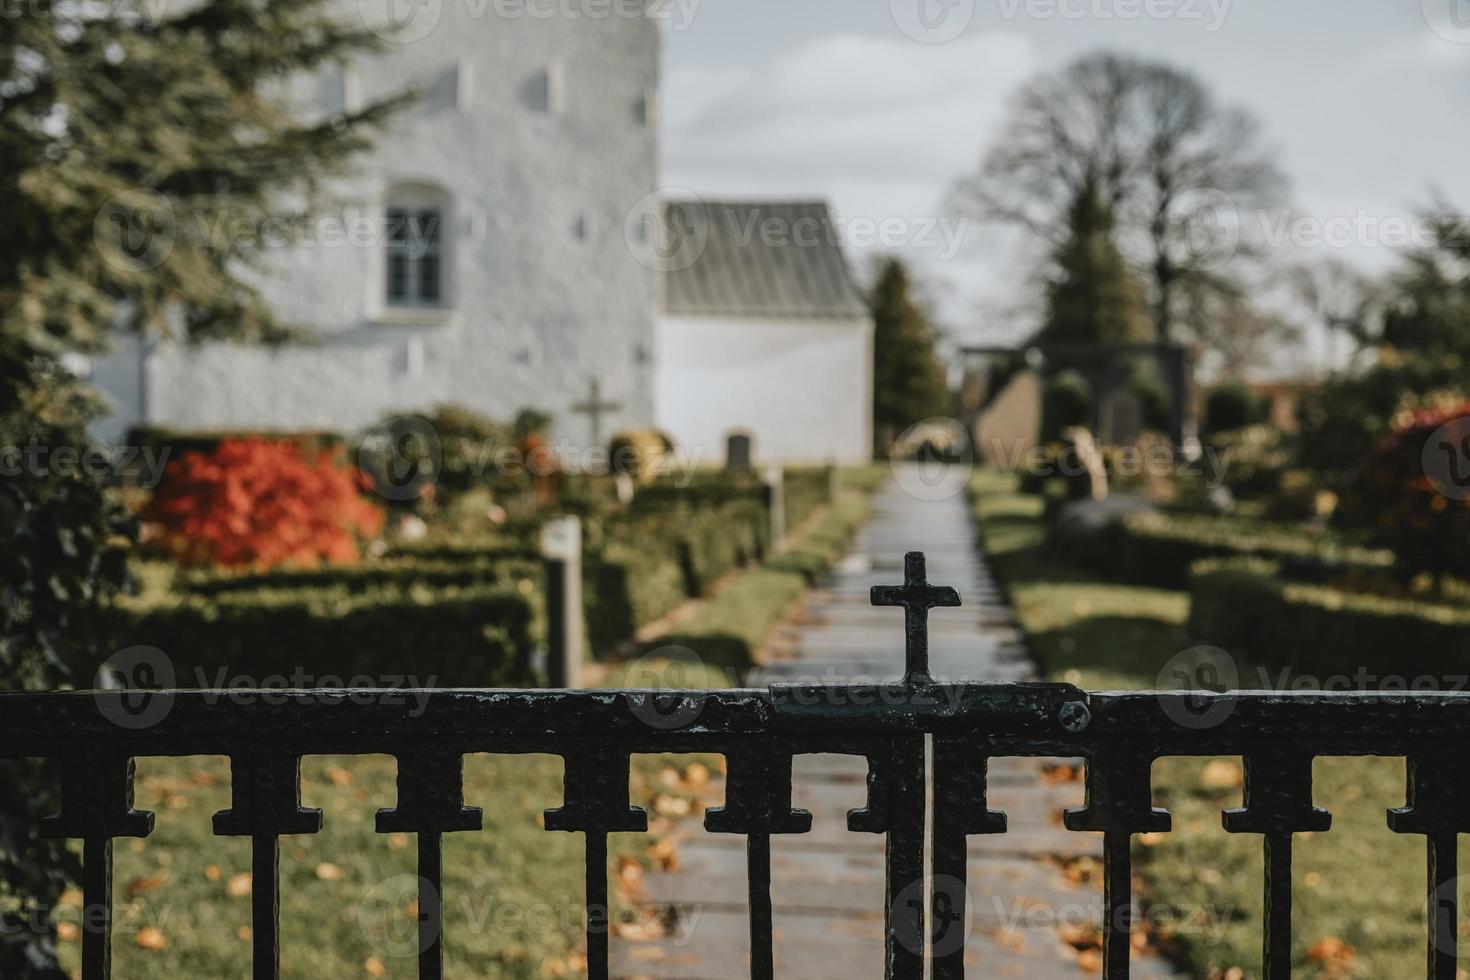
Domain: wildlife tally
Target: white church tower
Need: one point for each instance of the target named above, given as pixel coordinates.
(482, 257)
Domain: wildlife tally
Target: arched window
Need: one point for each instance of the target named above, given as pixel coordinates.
(417, 245)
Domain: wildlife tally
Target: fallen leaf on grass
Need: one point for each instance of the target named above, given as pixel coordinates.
(1333, 955)
(1222, 774)
(151, 938)
(664, 855)
(139, 886)
(1060, 772)
(671, 806)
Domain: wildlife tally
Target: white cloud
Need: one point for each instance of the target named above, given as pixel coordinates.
(842, 107)
(1418, 53)
(878, 126)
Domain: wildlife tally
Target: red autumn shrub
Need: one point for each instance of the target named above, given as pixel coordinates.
(259, 503)
(1413, 491)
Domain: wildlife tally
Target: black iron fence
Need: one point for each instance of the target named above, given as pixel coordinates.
(920, 739)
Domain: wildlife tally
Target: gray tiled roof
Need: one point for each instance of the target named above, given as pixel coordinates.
(759, 260)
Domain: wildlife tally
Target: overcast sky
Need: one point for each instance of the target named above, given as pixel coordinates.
(878, 105)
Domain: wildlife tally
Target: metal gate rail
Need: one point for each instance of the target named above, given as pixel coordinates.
(96, 736)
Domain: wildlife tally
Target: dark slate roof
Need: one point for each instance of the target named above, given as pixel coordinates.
(758, 259)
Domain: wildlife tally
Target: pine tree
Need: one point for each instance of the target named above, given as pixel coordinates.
(139, 159)
(1094, 297)
(909, 383)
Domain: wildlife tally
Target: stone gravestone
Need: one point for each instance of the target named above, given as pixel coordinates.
(1091, 479)
(561, 550)
(738, 453)
(774, 479)
(1121, 418)
(1009, 428)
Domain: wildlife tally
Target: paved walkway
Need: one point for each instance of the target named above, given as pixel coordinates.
(1034, 891)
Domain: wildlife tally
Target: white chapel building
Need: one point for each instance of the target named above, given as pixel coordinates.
(506, 267)
(761, 330)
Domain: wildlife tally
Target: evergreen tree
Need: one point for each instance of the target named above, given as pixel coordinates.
(909, 383)
(141, 161)
(1094, 297)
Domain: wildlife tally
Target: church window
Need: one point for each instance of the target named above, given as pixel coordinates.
(416, 238)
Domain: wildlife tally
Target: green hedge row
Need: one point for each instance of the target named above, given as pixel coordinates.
(806, 489)
(1158, 549)
(176, 442)
(470, 637)
(728, 630)
(1246, 606)
(652, 560)
(507, 568)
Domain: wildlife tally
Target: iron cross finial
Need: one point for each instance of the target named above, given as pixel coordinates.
(917, 597)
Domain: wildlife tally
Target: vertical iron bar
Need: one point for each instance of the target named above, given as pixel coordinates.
(265, 905)
(597, 911)
(1117, 903)
(758, 876)
(431, 905)
(950, 850)
(905, 861)
(97, 903)
(1443, 904)
(1276, 932)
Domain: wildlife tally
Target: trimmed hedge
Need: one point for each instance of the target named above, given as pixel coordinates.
(1158, 549)
(507, 569)
(472, 637)
(159, 439)
(1246, 606)
(728, 630)
(806, 489)
(653, 559)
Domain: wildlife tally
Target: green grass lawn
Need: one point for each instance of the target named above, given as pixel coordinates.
(1357, 885)
(513, 893)
(514, 897)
